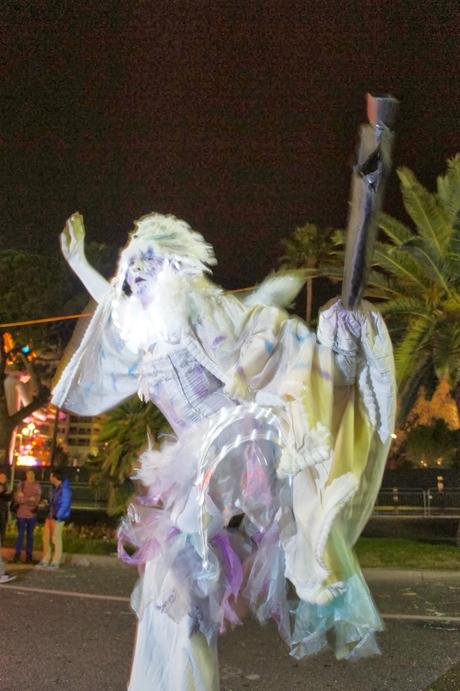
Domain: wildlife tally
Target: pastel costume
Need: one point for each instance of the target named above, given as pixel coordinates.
(279, 431)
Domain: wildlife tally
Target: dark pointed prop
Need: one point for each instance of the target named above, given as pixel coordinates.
(367, 190)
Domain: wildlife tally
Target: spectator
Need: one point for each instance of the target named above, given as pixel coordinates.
(4, 577)
(60, 500)
(28, 498)
(5, 497)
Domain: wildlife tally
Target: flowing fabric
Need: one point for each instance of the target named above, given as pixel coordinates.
(285, 429)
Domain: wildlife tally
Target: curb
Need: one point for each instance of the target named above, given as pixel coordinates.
(414, 576)
(73, 559)
(372, 575)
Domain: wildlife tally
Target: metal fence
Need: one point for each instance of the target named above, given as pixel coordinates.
(418, 501)
(390, 501)
(84, 495)
(443, 502)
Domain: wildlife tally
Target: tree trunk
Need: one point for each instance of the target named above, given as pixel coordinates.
(309, 299)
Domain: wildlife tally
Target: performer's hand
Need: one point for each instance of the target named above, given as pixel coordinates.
(73, 239)
(73, 249)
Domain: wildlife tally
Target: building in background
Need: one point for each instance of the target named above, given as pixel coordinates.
(77, 436)
(51, 433)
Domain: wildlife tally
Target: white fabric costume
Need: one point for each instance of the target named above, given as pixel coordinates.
(288, 429)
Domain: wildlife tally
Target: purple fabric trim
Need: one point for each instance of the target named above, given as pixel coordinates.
(149, 499)
(233, 573)
(144, 553)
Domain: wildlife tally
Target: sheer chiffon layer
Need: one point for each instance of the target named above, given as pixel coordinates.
(196, 569)
(285, 428)
(169, 655)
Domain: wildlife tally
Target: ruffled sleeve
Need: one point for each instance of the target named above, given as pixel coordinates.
(363, 354)
(102, 372)
(260, 353)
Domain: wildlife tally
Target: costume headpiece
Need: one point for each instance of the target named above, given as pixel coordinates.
(184, 255)
(171, 238)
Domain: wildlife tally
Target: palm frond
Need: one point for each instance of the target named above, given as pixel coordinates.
(451, 306)
(421, 375)
(436, 267)
(408, 307)
(414, 346)
(401, 265)
(338, 237)
(123, 434)
(330, 271)
(453, 255)
(449, 190)
(396, 231)
(416, 275)
(446, 351)
(428, 214)
(379, 285)
(310, 246)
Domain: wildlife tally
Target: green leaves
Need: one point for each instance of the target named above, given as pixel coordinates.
(317, 251)
(396, 231)
(436, 442)
(416, 273)
(415, 278)
(428, 215)
(449, 190)
(311, 246)
(122, 438)
(428, 258)
(401, 265)
(123, 435)
(446, 351)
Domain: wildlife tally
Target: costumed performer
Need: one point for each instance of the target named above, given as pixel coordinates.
(283, 427)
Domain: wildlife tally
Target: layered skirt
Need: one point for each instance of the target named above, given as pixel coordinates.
(211, 534)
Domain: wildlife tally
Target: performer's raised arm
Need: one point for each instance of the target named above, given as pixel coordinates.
(73, 249)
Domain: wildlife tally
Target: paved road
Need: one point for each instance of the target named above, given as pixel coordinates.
(73, 630)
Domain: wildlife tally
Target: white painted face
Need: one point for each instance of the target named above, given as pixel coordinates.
(143, 269)
(155, 304)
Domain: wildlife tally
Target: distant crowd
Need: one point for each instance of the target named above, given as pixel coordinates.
(21, 503)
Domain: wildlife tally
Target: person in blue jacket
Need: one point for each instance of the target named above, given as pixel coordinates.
(60, 500)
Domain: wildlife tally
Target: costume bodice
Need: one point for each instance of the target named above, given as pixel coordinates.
(179, 385)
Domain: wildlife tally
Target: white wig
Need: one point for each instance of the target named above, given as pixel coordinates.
(171, 238)
(187, 257)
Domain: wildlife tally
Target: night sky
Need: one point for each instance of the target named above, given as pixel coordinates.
(240, 117)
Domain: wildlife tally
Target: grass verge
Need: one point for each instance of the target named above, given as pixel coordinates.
(99, 539)
(400, 553)
(373, 552)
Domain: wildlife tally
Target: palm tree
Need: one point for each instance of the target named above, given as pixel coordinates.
(316, 250)
(416, 274)
(123, 435)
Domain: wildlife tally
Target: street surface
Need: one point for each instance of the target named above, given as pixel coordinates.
(73, 630)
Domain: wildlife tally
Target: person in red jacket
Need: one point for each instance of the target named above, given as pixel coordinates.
(28, 497)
